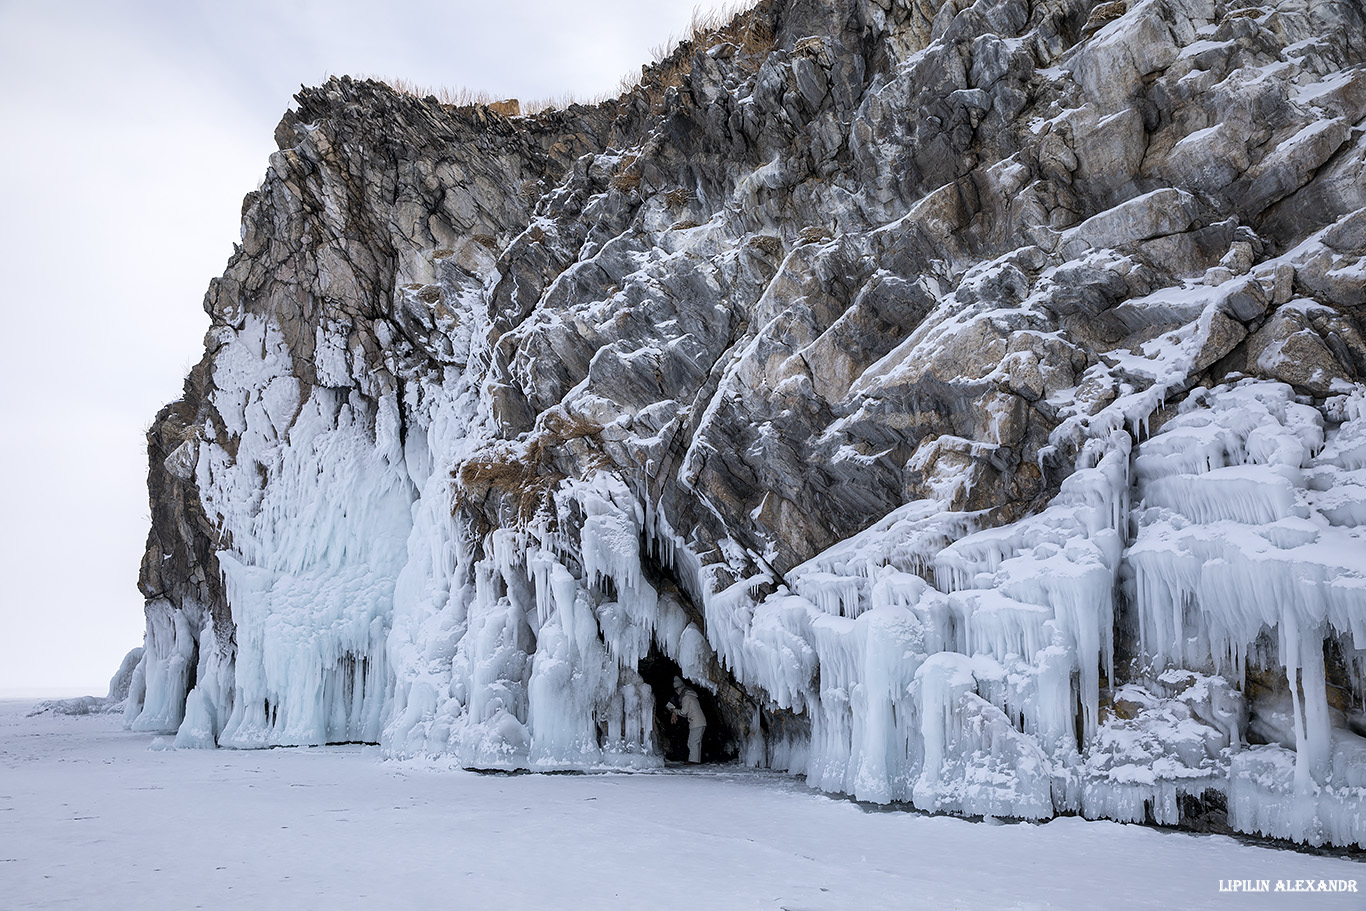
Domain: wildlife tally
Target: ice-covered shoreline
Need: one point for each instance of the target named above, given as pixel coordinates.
(90, 816)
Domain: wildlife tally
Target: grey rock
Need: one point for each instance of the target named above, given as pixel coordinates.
(1289, 348)
(1348, 234)
(1244, 301)
(1155, 214)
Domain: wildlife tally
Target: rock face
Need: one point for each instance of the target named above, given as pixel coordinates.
(968, 398)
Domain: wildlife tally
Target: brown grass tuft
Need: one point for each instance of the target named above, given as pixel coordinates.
(464, 97)
(677, 198)
(728, 23)
(559, 425)
(813, 234)
(766, 244)
(461, 96)
(524, 482)
(524, 472)
(629, 177)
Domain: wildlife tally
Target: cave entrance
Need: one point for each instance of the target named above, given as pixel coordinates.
(719, 743)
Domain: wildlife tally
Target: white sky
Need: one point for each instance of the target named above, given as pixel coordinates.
(131, 131)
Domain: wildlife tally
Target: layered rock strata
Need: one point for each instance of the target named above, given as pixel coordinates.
(969, 398)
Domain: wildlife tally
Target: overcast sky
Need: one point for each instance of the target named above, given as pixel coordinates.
(131, 132)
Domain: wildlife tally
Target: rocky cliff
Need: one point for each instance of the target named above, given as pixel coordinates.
(968, 398)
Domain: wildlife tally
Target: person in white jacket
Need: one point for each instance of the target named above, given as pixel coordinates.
(690, 708)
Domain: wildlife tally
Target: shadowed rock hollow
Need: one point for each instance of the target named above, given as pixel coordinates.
(969, 397)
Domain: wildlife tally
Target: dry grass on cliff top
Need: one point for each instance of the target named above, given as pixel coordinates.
(727, 23)
(465, 97)
(671, 61)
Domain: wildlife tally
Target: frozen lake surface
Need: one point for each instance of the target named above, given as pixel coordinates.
(90, 817)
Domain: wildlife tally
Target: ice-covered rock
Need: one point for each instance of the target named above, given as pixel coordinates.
(967, 399)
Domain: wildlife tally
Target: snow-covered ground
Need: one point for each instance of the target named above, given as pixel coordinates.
(90, 817)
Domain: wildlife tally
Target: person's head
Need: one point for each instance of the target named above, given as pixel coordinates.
(678, 684)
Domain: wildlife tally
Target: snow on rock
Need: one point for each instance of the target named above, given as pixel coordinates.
(975, 422)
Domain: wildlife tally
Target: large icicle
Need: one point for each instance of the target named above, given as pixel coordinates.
(1233, 545)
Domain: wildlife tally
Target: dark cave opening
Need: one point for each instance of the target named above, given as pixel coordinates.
(719, 743)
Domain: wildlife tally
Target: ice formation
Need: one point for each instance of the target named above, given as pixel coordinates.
(1014, 483)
